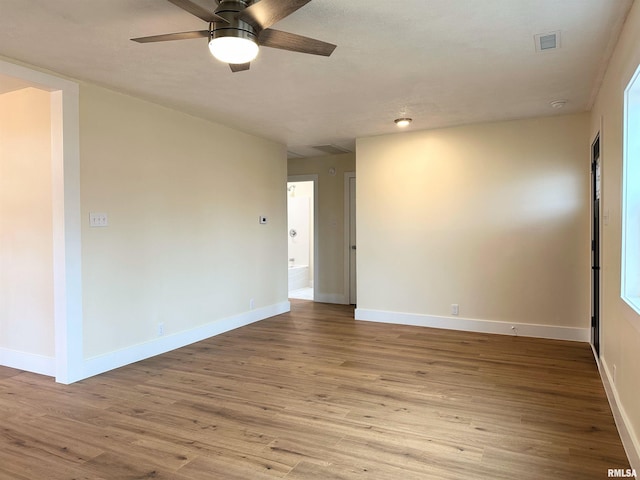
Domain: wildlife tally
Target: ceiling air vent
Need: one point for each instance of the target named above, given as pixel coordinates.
(547, 41)
(331, 149)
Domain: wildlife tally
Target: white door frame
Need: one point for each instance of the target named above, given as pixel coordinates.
(67, 366)
(311, 178)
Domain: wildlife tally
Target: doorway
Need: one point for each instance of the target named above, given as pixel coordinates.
(301, 236)
(67, 361)
(26, 229)
(595, 243)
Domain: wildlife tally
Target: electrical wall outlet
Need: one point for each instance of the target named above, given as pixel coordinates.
(98, 219)
(161, 329)
(455, 309)
(252, 304)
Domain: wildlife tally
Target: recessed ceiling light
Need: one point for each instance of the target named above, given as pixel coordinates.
(403, 122)
(558, 103)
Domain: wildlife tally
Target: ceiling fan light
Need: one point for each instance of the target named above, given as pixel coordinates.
(233, 49)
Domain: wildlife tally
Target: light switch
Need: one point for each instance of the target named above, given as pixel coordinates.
(98, 220)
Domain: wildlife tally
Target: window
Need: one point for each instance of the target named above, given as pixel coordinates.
(631, 195)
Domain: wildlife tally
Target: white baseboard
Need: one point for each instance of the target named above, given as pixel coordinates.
(338, 298)
(103, 363)
(629, 437)
(29, 362)
(474, 325)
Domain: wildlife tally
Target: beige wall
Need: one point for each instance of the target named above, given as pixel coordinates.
(620, 325)
(184, 246)
(493, 217)
(26, 250)
(331, 247)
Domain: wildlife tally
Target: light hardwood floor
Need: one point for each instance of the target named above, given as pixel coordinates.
(314, 394)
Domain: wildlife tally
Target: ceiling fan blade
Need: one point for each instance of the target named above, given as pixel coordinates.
(239, 67)
(294, 43)
(198, 11)
(265, 13)
(173, 36)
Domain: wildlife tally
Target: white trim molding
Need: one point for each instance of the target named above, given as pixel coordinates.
(120, 358)
(65, 165)
(475, 325)
(29, 362)
(630, 262)
(630, 439)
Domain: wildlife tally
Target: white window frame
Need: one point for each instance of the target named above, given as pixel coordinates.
(630, 281)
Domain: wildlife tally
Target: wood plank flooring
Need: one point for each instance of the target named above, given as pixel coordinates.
(314, 394)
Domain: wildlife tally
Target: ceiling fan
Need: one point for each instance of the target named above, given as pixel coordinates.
(237, 28)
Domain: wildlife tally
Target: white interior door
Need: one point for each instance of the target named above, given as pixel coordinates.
(352, 241)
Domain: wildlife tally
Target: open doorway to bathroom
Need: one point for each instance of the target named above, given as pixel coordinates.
(300, 233)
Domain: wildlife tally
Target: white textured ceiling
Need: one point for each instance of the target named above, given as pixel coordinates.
(442, 62)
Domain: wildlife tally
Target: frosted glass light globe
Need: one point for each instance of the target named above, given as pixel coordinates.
(233, 49)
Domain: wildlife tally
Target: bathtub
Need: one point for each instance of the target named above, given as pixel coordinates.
(299, 277)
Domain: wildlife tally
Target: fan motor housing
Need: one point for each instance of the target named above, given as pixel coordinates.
(229, 10)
